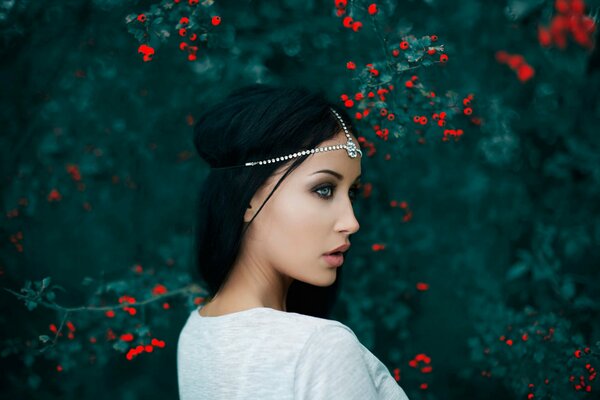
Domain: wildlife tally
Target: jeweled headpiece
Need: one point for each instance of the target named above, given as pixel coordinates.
(350, 147)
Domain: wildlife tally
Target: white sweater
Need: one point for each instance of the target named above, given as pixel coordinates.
(267, 354)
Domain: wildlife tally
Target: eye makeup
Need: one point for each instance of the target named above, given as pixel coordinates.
(353, 190)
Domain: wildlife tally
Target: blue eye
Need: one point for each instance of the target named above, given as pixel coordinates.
(353, 191)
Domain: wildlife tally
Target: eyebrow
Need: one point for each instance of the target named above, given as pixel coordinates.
(336, 174)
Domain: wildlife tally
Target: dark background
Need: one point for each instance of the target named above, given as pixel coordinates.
(489, 271)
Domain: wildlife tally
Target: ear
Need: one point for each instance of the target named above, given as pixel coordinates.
(253, 206)
(255, 202)
(259, 198)
(249, 213)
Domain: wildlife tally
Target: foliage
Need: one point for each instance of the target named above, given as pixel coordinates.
(474, 270)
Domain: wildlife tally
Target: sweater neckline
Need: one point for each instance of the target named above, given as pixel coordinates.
(196, 312)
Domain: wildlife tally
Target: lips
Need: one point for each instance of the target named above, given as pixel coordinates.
(339, 250)
(334, 259)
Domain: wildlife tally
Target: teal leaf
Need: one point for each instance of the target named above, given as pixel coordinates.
(517, 270)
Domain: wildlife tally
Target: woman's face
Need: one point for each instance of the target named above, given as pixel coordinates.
(310, 214)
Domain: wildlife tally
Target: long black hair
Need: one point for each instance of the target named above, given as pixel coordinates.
(255, 122)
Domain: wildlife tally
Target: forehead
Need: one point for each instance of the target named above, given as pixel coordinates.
(339, 138)
(338, 159)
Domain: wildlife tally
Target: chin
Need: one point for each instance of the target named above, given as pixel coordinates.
(328, 279)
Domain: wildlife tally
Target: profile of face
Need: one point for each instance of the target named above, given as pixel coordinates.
(310, 213)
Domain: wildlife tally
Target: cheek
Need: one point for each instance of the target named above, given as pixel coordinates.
(300, 231)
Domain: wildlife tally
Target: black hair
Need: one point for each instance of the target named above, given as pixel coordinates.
(256, 122)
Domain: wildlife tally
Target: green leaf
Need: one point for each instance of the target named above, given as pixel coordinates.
(517, 270)
(28, 359)
(87, 281)
(139, 35)
(568, 289)
(58, 287)
(117, 286)
(402, 66)
(121, 346)
(130, 17)
(584, 302)
(412, 56)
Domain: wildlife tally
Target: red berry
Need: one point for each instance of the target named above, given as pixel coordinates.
(544, 37)
(373, 9)
(525, 72)
(502, 56)
(404, 45)
(443, 58)
(216, 20)
(341, 3)
(515, 61)
(561, 6)
(147, 51)
(577, 6)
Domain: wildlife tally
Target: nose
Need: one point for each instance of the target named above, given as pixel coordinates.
(347, 221)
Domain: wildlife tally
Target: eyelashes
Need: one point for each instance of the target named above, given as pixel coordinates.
(330, 188)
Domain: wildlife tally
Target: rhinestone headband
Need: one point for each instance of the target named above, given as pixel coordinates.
(351, 148)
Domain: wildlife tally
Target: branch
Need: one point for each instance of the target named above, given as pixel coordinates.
(191, 288)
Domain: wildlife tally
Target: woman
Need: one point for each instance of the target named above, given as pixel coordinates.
(275, 215)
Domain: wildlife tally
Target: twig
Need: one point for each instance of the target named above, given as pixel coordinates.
(191, 288)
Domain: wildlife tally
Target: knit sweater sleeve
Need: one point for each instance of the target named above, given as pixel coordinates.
(333, 365)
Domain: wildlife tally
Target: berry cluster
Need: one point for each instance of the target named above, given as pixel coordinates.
(148, 348)
(568, 20)
(347, 21)
(152, 21)
(517, 63)
(422, 358)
